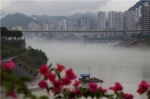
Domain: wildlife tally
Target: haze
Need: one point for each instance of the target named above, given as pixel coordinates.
(128, 66)
(62, 7)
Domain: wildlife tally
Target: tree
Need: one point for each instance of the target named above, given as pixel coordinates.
(3, 31)
(133, 35)
(13, 34)
(20, 34)
(8, 34)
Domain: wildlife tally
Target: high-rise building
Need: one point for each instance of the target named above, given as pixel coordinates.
(119, 19)
(138, 12)
(111, 20)
(51, 27)
(130, 20)
(64, 24)
(83, 23)
(101, 20)
(115, 20)
(33, 26)
(146, 19)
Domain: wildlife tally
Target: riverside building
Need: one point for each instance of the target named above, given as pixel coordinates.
(146, 19)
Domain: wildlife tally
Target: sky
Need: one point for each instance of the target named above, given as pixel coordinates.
(62, 7)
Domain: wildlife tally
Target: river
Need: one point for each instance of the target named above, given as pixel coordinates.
(124, 65)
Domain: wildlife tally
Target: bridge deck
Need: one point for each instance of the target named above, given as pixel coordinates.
(89, 31)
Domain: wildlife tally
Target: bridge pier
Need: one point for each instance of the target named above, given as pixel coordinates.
(124, 35)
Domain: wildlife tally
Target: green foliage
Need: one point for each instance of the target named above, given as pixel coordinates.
(14, 84)
(33, 58)
(13, 33)
(8, 51)
(44, 97)
(140, 35)
(3, 31)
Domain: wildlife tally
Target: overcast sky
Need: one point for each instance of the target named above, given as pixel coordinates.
(62, 7)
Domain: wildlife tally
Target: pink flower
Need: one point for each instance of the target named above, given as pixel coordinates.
(77, 92)
(50, 76)
(9, 65)
(93, 87)
(68, 89)
(1, 63)
(70, 74)
(60, 67)
(117, 87)
(12, 94)
(113, 88)
(43, 84)
(103, 90)
(143, 87)
(43, 69)
(128, 96)
(66, 81)
(57, 86)
(76, 83)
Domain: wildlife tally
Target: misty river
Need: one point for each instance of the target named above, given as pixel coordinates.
(127, 66)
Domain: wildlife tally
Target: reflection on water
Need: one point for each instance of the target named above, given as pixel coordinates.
(128, 66)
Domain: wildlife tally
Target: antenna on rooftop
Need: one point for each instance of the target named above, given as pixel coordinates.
(89, 70)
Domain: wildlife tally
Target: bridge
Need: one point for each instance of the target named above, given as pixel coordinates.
(84, 32)
(89, 31)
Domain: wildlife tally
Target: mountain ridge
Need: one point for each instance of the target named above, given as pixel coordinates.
(139, 3)
(11, 20)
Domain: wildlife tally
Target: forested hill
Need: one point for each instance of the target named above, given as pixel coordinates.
(138, 4)
(11, 20)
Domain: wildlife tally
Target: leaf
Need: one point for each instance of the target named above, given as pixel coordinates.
(148, 93)
(24, 78)
(58, 97)
(109, 96)
(44, 97)
(7, 86)
(58, 75)
(56, 93)
(98, 95)
(92, 95)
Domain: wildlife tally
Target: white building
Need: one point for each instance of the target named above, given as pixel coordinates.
(111, 20)
(138, 12)
(119, 19)
(51, 27)
(130, 20)
(146, 19)
(45, 27)
(101, 20)
(84, 23)
(115, 20)
(33, 26)
(64, 24)
(17, 28)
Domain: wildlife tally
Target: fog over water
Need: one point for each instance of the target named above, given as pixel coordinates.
(128, 66)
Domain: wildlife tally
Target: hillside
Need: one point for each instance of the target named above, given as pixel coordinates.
(48, 19)
(138, 4)
(79, 15)
(11, 20)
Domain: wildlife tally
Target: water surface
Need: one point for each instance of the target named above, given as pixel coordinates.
(127, 66)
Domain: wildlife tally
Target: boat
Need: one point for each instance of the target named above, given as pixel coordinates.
(85, 78)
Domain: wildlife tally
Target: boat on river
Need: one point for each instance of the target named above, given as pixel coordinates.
(85, 78)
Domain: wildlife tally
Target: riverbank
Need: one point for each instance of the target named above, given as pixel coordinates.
(141, 43)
